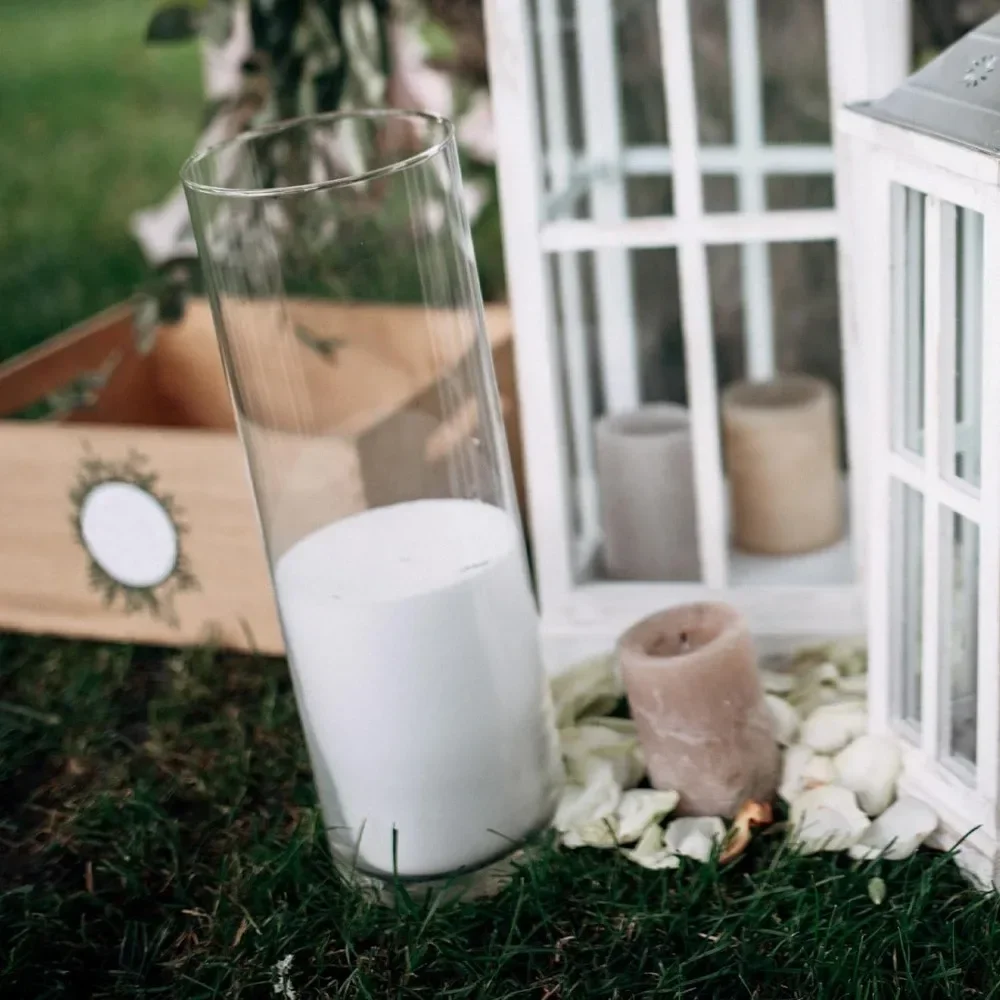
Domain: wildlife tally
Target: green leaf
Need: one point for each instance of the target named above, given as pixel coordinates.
(876, 890)
(173, 23)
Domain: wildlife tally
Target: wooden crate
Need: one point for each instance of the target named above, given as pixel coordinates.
(131, 518)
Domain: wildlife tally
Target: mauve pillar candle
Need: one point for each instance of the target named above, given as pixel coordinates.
(692, 682)
(781, 447)
(646, 482)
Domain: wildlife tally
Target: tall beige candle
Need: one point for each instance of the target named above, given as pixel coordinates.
(781, 448)
(691, 677)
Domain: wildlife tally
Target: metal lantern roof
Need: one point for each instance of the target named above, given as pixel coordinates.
(955, 97)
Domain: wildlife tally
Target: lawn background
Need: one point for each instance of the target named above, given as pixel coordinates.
(94, 124)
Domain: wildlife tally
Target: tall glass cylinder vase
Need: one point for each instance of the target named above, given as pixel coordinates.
(339, 264)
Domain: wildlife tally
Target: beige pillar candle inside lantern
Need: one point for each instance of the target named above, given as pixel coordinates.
(781, 448)
(697, 699)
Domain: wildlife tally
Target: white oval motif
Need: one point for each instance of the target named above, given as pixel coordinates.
(129, 534)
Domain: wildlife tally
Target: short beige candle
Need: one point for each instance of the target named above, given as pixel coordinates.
(691, 677)
(781, 449)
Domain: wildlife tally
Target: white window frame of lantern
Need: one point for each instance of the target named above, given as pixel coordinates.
(876, 158)
(868, 52)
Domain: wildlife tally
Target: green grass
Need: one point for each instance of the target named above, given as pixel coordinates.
(159, 837)
(93, 126)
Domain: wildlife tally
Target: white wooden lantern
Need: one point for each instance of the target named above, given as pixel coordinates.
(920, 168)
(589, 264)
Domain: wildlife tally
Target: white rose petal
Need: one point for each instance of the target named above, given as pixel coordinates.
(595, 800)
(588, 741)
(589, 688)
(600, 833)
(778, 681)
(851, 658)
(826, 819)
(870, 767)
(898, 832)
(695, 836)
(816, 686)
(826, 673)
(853, 684)
(831, 727)
(650, 852)
(640, 809)
(786, 719)
(626, 727)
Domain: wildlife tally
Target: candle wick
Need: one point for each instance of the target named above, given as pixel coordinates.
(685, 645)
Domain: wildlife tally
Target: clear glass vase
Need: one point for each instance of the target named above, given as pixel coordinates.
(338, 260)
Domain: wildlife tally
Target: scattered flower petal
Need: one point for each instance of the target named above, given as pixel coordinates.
(589, 741)
(786, 719)
(600, 833)
(640, 809)
(826, 673)
(626, 727)
(898, 832)
(751, 814)
(695, 836)
(650, 852)
(831, 727)
(589, 688)
(853, 684)
(876, 890)
(826, 819)
(870, 767)
(778, 681)
(584, 804)
(851, 658)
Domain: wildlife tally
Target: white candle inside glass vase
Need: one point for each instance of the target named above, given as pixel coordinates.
(413, 636)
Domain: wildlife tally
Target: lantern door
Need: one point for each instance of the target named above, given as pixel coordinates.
(666, 172)
(926, 231)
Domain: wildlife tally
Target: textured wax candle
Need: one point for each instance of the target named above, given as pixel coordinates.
(691, 677)
(413, 639)
(781, 449)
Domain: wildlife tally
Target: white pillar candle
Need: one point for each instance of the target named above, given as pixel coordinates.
(413, 638)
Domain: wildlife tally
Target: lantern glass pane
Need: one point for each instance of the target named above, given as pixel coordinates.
(787, 192)
(779, 372)
(806, 315)
(652, 194)
(796, 96)
(713, 71)
(602, 109)
(908, 319)
(960, 632)
(906, 587)
(633, 515)
(720, 192)
(968, 346)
